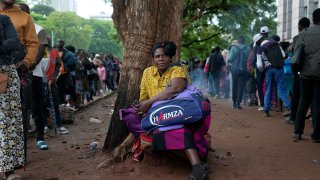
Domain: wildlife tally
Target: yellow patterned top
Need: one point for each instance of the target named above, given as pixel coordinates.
(152, 83)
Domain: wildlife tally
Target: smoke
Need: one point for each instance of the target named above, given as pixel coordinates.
(199, 79)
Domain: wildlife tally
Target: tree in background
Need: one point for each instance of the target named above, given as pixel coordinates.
(104, 38)
(70, 27)
(36, 2)
(209, 23)
(42, 9)
(90, 34)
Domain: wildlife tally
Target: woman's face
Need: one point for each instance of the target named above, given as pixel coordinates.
(161, 60)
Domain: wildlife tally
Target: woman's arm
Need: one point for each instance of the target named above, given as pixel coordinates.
(11, 39)
(177, 85)
(144, 88)
(31, 42)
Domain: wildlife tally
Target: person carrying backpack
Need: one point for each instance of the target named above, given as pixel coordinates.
(65, 80)
(107, 63)
(270, 58)
(237, 59)
(216, 62)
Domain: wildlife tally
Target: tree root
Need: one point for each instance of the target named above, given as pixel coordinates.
(124, 150)
(120, 153)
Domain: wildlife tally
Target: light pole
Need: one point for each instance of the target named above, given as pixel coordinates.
(53, 34)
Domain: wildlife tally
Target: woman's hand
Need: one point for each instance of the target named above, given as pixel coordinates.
(144, 107)
(22, 66)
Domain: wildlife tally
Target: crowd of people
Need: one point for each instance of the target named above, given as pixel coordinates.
(266, 74)
(37, 80)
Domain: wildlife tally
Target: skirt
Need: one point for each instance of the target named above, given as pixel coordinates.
(191, 136)
(11, 127)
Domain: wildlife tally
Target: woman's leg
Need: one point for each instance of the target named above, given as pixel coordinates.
(193, 156)
(260, 79)
(199, 171)
(92, 89)
(9, 173)
(115, 77)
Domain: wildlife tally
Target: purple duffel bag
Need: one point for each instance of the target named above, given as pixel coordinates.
(187, 107)
(132, 120)
(187, 93)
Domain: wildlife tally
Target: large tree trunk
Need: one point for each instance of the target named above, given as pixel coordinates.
(140, 23)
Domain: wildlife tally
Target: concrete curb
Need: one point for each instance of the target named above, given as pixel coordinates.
(95, 100)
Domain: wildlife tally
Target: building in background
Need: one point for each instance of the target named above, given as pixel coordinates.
(58, 5)
(64, 5)
(290, 12)
(101, 16)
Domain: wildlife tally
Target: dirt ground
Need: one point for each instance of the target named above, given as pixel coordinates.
(248, 146)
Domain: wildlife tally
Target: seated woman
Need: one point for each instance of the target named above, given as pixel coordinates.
(162, 82)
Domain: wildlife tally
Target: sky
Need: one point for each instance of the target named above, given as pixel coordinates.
(93, 7)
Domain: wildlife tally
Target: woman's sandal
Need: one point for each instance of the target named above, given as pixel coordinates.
(13, 177)
(42, 145)
(206, 169)
(204, 177)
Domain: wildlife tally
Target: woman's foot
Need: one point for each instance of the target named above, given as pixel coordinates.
(63, 130)
(297, 137)
(46, 130)
(12, 176)
(199, 172)
(41, 145)
(266, 114)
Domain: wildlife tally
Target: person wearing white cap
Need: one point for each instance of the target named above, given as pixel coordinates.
(97, 56)
(264, 31)
(270, 59)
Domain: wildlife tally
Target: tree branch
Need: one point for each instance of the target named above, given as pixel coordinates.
(202, 40)
(204, 10)
(120, 19)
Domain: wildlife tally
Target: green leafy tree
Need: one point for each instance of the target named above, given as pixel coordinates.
(40, 19)
(208, 23)
(42, 9)
(104, 38)
(70, 27)
(92, 35)
(36, 2)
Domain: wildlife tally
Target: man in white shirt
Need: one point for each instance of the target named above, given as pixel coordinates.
(38, 106)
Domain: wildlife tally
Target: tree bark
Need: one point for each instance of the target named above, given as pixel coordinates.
(140, 23)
